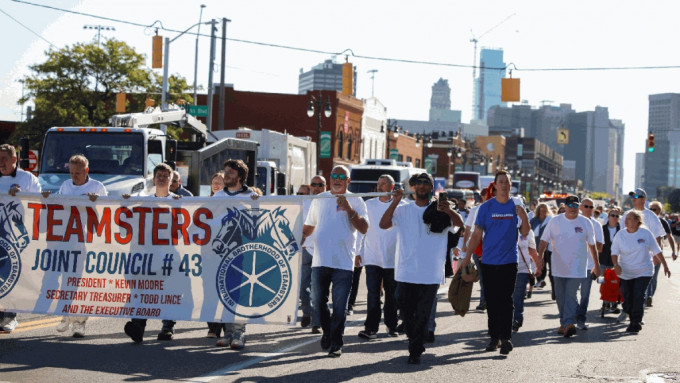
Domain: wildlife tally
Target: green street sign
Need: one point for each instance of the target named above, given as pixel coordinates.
(394, 154)
(198, 110)
(325, 145)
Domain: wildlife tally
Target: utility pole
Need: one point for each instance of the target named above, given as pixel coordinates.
(198, 33)
(210, 73)
(372, 72)
(222, 69)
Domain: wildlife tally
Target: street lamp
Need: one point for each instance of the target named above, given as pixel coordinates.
(99, 29)
(200, 17)
(394, 128)
(316, 106)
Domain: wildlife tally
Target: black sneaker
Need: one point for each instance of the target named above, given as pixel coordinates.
(135, 332)
(493, 345)
(413, 359)
(516, 325)
(316, 330)
(400, 328)
(481, 306)
(325, 342)
(506, 347)
(392, 332)
(305, 321)
(367, 334)
(430, 337)
(165, 334)
(335, 352)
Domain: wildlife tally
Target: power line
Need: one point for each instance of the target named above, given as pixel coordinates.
(29, 29)
(374, 58)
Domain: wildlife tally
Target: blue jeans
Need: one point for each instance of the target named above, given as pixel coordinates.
(586, 284)
(633, 292)
(306, 286)
(375, 276)
(478, 265)
(331, 324)
(651, 289)
(565, 295)
(521, 283)
(431, 324)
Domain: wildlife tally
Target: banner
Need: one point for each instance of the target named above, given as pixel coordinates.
(201, 259)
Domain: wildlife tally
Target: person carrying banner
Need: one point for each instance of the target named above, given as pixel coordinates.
(79, 184)
(134, 328)
(335, 223)
(12, 181)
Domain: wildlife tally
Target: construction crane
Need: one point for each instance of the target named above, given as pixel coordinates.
(372, 72)
(474, 40)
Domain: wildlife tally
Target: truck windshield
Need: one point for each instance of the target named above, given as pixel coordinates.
(108, 153)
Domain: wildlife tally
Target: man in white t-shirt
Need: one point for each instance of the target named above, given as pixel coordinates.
(573, 241)
(639, 199)
(79, 184)
(420, 256)
(587, 207)
(377, 257)
(317, 186)
(335, 221)
(12, 181)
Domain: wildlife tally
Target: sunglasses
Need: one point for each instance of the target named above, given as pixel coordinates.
(637, 196)
(175, 181)
(588, 207)
(654, 209)
(341, 177)
(613, 216)
(422, 182)
(317, 185)
(573, 205)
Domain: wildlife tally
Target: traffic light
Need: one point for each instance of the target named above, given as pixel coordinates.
(120, 103)
(157, 52)
(650, 143)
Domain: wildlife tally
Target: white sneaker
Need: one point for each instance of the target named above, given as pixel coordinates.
(622, 317)
(78, 330)
(64, 324)
(238, 341)
(10, 326)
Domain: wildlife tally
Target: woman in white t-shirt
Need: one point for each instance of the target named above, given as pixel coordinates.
(633, 264)
(526, 266)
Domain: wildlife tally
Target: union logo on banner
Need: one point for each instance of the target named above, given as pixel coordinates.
(256, 245)
(13, 240)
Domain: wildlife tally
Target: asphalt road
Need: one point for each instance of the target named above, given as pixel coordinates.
(35, 352)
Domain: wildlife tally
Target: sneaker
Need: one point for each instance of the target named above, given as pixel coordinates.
(493, 344)
(325, 342)
(350, 311)
(529, 294)
(506, 347)
(649, 301)
(430, 337)
(224, 342)
(392, 332)
(481, 306)
(135, 332)
(367, 334)
(582, 326)
(616, 310)
(238, 341)
(552, 295)
(413, 359)
(211, 334)
(622, 317)
(165, 334)
(64, 324)
(516, 325)
(561, 330)
(9, 326)
(634, 328)
(316, 330)
(305, 321)
(335, 352)
(400, 328)
(79, 330)
(642, 322)
(569, 331)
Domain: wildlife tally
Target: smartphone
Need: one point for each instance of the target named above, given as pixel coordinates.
(443, 197)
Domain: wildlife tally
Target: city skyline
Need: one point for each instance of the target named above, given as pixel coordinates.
(610, 34)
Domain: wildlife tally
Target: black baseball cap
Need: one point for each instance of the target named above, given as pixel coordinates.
(425, 176)
(572, 199)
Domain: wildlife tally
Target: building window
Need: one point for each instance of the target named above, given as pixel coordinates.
(409, 159)
(400, 157)
(340, 145)
(349, 146)
(417, 162)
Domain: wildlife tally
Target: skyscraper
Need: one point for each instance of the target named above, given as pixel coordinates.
(325, 76)
(488, 87)
(662, 167)
(440, 103)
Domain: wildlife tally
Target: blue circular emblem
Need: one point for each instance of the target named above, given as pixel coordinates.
(10, 267)
(253, 280)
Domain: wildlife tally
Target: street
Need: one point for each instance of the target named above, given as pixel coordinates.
(35, 352)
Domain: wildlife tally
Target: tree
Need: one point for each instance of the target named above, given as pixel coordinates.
(599, 195)
(77, 86)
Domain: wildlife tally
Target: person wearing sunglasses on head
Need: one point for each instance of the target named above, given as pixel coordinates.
(650, 220)
(336, 223)
(573, 240)
(610, 228)
(587, 210)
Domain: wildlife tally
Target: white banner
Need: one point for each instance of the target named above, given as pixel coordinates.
(201, 259)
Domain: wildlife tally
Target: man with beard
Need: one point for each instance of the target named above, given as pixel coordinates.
(420, 256)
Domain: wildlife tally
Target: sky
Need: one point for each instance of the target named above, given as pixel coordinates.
(533, 35)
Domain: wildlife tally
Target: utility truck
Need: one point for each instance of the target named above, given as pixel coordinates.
(284, 161)
(365, 176)
(122, 156)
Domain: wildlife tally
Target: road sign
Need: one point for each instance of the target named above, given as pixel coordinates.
(32, 160)
(198, 110)
(563, 136)
(325, 147)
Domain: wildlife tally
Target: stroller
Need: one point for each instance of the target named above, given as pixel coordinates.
(610, 292)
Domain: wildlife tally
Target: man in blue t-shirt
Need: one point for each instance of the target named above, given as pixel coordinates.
(497, 222)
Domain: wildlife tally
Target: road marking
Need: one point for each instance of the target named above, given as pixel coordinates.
(248, 363)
